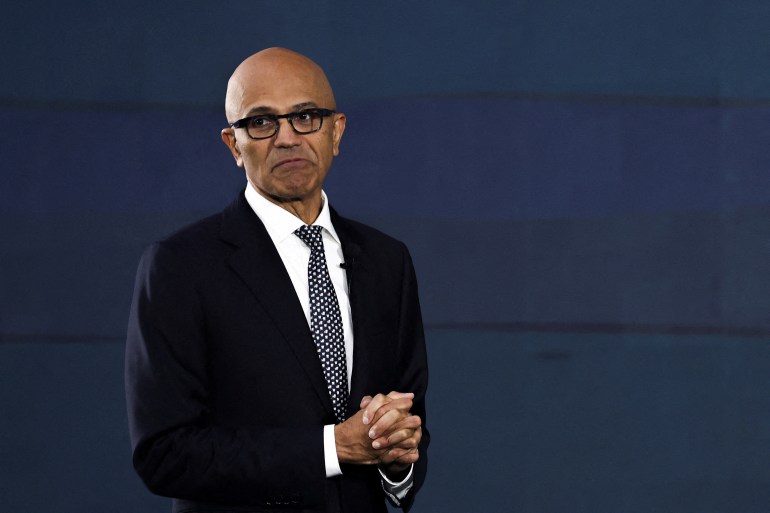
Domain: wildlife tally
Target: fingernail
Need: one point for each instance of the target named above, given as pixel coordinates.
(372, 434)
(366, 419)
(376, 445)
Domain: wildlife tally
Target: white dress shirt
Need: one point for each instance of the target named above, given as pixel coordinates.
(295, 254)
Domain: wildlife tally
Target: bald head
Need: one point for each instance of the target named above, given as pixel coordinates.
(274, 76)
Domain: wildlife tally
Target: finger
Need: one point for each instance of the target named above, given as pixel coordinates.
(404, 438)
(404, 405)
(389, 420)
(398, 432)
(385, 424)
(401, 439)
(401, 395)
(409, 458)
(379, 400)
(374, 405)
(365, 400)
(402, 456)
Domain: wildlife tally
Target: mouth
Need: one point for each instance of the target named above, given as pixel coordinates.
(289, 163)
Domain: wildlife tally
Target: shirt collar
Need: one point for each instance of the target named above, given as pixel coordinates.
(279, 222)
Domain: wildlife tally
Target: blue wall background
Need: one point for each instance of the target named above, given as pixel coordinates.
(584, 187)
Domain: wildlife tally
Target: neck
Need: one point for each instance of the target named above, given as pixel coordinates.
(306, 209)
(307, 212)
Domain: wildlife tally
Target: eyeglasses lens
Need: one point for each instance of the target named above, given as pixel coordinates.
(303, 122)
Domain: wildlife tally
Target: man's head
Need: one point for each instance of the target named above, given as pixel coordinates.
(287, 167)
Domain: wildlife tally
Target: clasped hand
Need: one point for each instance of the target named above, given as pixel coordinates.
(383, 432)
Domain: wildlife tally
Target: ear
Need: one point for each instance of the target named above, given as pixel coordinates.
(339, 129)
(228, 137)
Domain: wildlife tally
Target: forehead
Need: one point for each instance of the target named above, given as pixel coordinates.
(279, 87)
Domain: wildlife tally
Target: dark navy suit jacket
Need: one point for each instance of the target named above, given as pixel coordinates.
(226, 396)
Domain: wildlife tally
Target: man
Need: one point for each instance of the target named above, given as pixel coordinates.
(275, 355)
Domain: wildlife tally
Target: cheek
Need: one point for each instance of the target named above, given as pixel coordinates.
(253, 160)
(328, 148)
(325, 161)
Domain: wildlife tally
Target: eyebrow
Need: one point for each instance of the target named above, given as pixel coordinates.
(264, 109)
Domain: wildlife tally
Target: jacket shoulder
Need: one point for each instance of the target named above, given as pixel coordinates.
(207, 233)
(192, 235)
(365, 234)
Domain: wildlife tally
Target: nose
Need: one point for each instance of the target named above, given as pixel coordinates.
(286, 136)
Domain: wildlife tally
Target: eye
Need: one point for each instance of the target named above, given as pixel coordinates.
(306, 116)
(260, 122)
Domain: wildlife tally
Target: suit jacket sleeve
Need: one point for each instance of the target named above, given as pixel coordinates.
(179, 448)
(413, 366)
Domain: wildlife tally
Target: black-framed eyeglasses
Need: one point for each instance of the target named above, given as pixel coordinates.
(265, 126)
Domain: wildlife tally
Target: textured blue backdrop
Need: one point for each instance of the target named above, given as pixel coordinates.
(583, 185)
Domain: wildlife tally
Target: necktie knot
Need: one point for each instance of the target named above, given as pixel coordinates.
(311, 235)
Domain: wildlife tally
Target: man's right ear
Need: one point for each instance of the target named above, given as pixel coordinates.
(228, 137)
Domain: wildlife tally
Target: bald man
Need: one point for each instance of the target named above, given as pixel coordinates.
(238, 397)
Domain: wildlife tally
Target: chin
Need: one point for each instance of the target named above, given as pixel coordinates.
(285, 195)
(300, 189)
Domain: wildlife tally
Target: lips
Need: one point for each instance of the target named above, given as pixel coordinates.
(289, 163)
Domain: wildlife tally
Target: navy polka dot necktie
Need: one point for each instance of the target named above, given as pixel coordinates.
(325, 320)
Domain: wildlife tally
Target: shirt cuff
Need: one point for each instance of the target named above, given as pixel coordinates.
(397, 491)
(330, 453)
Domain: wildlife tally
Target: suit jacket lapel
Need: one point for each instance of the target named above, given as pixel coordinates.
(258, 264)
(358, 275)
